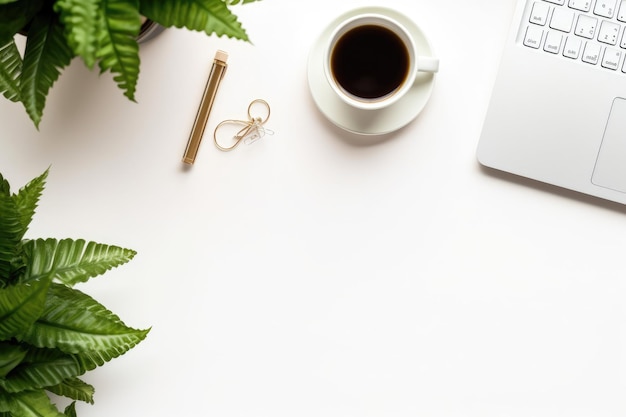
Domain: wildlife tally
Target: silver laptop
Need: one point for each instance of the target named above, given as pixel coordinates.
(558, 109)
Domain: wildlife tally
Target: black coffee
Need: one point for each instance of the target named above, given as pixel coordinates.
(370, 61)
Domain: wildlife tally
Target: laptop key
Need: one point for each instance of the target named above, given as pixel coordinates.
(582, 5)
(572, 48)
(609, 32)
(611, 58)
(605, 8)
(539, 14)
(553, 42)
(622, 44)
(621, 15)
(562, 19)
(586, 26)
(592, 53)
(533, 36)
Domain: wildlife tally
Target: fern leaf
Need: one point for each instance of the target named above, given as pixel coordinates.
(41, 368)
(119, 23)
(10, 70)
(5, 188)
(20, 306)
(27, 198)
(34, 403)
(4, 405)
(11, 355)
(76, 323)
(11, 233)
(75, 389)
(15, 15)
(80, 19)
(234, 2)
(46, 54)
(209, 16)
(71, 261)
(17, 213)
(70, 410)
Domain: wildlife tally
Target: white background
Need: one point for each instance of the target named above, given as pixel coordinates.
(319, 273)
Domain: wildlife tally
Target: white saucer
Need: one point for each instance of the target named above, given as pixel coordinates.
(369, 122)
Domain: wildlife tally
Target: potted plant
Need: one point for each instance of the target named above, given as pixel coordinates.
(50, 332)
(100, 32)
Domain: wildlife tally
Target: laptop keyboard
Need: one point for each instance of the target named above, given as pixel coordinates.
(589, 31)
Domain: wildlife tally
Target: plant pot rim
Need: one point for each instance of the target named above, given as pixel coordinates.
(149, 29)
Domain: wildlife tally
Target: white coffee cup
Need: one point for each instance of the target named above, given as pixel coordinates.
(371, 61)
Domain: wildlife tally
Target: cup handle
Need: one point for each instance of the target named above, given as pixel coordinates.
(427, 64)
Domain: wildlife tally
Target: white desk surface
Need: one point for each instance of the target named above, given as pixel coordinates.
(317, 273)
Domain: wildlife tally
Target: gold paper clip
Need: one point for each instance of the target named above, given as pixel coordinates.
(252, 126)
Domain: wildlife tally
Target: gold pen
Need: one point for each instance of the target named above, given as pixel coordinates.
(210, 90)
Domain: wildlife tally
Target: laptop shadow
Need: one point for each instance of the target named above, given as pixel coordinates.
(553, 189)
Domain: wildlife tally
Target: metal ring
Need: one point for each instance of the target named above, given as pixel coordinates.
(263, 102)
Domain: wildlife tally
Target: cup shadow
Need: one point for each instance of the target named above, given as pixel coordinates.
(357, 140)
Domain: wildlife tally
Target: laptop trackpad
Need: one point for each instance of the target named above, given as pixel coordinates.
(610, 169)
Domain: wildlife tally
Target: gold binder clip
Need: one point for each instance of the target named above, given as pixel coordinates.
(252, 129)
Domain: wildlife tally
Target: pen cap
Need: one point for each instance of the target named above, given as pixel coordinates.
(221, 56)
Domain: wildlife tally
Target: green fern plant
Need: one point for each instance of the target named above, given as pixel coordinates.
(100, 32)
(50, 332)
